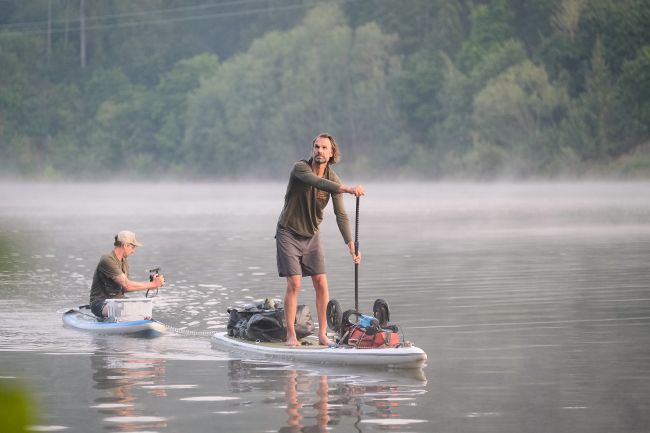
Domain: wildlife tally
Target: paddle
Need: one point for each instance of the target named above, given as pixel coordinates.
(356, 253)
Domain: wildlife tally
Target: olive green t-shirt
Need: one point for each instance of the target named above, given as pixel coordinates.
(104, 284)
(306, 197)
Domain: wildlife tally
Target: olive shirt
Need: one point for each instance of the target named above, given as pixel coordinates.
(306, 197)
(104, 284)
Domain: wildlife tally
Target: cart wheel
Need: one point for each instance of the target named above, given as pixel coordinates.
(381, 312)
(334, 315)
(346, 318)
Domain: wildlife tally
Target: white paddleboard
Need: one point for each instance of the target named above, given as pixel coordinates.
(83, 319)
(399, 357)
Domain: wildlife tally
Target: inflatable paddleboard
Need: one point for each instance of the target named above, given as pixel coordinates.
(84, 319)
(407, 357)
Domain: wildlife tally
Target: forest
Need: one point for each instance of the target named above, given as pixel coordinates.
(411, 89)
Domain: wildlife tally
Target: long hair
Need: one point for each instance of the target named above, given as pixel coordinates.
(336, 154)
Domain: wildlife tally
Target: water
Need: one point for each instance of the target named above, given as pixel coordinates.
(532, 302)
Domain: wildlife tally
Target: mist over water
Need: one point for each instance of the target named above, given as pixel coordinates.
(531, 300)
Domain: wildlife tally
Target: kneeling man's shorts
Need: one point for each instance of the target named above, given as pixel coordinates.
(97, 307)
(298, 255)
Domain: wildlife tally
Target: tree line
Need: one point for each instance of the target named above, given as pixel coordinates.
(430, 89)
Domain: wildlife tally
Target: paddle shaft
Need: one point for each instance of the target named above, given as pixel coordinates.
(356, 265)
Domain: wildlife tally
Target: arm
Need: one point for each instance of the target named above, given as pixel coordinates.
(344, 224)
(357, 257)
(132, 286)
(356, 190)
(302, 171)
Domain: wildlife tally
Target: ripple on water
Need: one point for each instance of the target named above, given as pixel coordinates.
(47, 428)
(483, 415)
(111, 405)
(210, 398)
(193, 323)
(179, 386)
(392, 421)
(134, 419)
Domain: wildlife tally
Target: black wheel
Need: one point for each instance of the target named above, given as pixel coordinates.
(334, 315)
(381, 312)
(346, 317)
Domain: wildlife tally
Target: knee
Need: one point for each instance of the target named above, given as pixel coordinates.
(293, 285)
(320, 282)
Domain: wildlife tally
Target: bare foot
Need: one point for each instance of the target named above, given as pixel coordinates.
(323, 340)
(292, 341)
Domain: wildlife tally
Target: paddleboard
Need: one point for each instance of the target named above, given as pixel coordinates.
(84, 319)
(312, 352)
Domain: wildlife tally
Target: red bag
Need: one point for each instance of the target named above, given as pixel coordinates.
(361, 338)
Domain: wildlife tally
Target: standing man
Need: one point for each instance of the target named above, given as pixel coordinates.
(111, 278)
(299, 250)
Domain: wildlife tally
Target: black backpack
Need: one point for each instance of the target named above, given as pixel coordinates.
(264, 321)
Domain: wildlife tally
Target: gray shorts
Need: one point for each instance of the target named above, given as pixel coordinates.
(97, 307)
(298, 255)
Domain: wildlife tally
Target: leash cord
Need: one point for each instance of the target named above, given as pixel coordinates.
(184, 331)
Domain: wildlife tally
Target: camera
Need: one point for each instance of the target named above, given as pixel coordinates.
(153, 272)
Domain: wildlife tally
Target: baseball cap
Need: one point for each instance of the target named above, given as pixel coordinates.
(126, 237)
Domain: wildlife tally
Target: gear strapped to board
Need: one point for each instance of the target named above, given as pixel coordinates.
(264, 321)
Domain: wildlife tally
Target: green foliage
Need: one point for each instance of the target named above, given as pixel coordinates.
(105, 85)
(438, 25)
(15, 409)
(453, 135)
(168, 105)
(487, 161)
(532, 19)
(635, 86)
(418, 88)
(595, 119)
(23, 89)
(634, 167)
(426, 88)
(320, 76)
(491, 25)
(520, 111)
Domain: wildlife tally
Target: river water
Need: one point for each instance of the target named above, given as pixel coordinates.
(532, 302)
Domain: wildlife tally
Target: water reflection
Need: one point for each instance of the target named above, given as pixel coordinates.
(121, 375)
(334, 399)
(295, 418)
